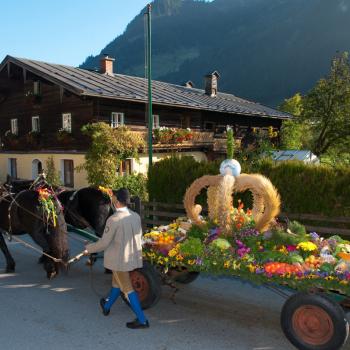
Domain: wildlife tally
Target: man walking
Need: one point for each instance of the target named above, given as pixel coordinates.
(122, 246)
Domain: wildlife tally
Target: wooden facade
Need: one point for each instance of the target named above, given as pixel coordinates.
(18, 100)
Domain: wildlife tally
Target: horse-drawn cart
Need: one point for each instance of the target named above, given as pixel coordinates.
(311, 272)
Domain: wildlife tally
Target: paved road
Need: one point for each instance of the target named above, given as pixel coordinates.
(63, 313)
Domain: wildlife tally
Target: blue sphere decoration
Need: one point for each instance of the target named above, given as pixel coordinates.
(230, 167)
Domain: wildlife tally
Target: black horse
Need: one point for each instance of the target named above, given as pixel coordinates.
(90, 207)
(87, 207)
(22, 213)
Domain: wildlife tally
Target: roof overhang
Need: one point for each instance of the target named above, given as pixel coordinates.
(38, 72)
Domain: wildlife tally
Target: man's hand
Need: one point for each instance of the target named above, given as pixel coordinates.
(86, 252)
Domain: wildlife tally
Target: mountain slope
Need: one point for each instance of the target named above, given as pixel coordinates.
(265, 50)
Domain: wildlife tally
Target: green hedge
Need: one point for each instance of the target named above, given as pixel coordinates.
(169, 178)
(309, 188)
(304, 188)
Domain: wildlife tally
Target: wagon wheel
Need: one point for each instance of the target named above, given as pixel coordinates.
(183, 275)
(314, 322)
(146, 283)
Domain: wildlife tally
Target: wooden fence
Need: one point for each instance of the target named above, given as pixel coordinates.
(155, 214)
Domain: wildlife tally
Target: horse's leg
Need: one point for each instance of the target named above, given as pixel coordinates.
(39, 237)
(10, 263)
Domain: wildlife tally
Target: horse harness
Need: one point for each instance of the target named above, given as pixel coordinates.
(8, 234)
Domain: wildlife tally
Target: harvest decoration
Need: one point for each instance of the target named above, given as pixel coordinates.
(46, 199)
(249, 243)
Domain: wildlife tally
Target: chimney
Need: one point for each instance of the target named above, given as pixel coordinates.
(189, 84)
(106, 65)
(211, 84)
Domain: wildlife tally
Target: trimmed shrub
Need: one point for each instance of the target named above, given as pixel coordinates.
(309, 188)
(304, 188)
(135, 183)
(169, 178)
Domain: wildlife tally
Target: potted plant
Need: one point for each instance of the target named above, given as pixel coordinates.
(163, 135)
(64, 137)
(32, 138)
(10, 140)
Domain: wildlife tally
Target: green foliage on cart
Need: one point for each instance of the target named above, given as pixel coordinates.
(284, 254)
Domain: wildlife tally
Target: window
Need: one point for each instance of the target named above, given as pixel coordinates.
(67, 122)
(37, 88)
(14, 126)
(67, 172)
(156, 124)
(35, 123)
(12, 167)
(117, 119)
(125, 167)
(37, 168)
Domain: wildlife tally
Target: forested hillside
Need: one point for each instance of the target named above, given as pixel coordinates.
(265, 50)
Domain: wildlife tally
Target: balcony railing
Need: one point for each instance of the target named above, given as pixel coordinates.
(60, 142)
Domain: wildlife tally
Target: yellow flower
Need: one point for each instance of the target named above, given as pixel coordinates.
(343, 282)
(226, 264)
(191, 262)
(330, 278)
(307, 246)
(283, 250)
(236, 266)
(173, 252)
(251, 267)
(179, 257)
(106, 190)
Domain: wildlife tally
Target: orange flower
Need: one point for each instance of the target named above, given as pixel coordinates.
(241, 205)
(43, 194)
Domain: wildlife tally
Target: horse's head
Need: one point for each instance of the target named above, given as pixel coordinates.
(58, 238)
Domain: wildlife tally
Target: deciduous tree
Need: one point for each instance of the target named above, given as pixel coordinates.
(108, 148)
(326, 108)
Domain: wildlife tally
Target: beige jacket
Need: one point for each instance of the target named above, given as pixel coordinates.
(121, 241)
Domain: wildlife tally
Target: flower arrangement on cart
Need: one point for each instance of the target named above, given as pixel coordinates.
(253, 245)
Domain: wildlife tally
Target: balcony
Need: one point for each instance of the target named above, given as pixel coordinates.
(178, 139)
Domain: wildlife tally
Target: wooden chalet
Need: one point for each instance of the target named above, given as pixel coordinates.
(43, 107)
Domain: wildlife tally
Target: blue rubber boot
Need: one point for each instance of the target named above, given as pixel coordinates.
(141, 321)
(107, 303)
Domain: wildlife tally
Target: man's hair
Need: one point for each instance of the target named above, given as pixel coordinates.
(122, 195)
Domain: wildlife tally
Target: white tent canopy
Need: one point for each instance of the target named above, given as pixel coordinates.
(305, 156)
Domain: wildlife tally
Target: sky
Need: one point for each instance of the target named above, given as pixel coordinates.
(62, 31)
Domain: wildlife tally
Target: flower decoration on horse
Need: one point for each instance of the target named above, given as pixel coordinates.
(106, 191)
(47, 201)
